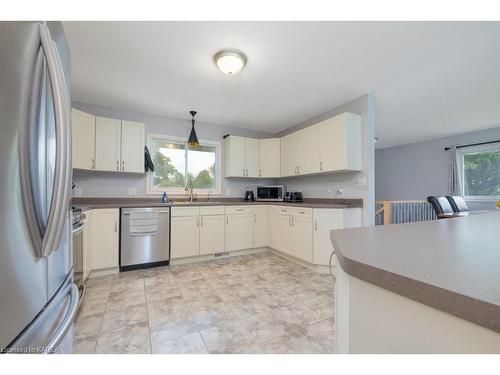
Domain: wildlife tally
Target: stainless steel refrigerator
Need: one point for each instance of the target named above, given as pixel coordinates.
(38, 299)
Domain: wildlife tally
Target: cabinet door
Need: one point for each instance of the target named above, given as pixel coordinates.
(269, 157)
(289, 154)
(325, 220)
(132, 147)
(212, 236)
(185, 237)
(234, 156)
(310, 150)
(83, 125)
(341, 143)
(107, 144)
(104, 238)
(302, 238)
(260, 227)
(239, 232)
(87, 247)
(282, 239)
(252, 157)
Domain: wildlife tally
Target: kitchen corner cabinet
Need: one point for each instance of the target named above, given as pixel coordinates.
(83, 134)
(132, 147)
(104, 240)
(241, 157)
(290, 154)
(269, 157)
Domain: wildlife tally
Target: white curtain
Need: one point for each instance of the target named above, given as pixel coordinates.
(454, 181)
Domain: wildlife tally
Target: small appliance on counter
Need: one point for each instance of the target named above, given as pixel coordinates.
(275, 193)
(249, 197)
(293, 196)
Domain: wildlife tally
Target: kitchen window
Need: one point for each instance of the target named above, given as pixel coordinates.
(480, 171)
(177, 166)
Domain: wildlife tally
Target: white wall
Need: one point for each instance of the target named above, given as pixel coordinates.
(108, 184)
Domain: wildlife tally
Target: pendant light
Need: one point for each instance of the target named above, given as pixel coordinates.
(193, 139)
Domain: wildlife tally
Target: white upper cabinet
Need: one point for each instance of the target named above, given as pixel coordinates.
(241, 157)
(309, 150)
(252, 157)
(290, 154)
(341, 140)
(83, 139)
(269, 157)
(107, 144)
(132, 147)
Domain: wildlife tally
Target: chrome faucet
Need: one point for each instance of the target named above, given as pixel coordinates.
(209, 192)
(189, 188)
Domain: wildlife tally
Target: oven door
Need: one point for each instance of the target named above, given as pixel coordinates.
(78, 230)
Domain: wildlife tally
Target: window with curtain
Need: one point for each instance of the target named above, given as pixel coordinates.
(177, 166)
(480, 171)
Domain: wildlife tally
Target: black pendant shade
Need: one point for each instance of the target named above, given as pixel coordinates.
(193, 139)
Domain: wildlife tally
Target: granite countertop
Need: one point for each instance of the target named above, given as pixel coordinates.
(91, 203)
(452, 264)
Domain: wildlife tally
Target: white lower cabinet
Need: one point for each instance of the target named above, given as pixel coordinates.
(104, 239)
(239, 227)
(87, 248)
(184, 239)
(260, 227)
(302, 238)
(212, 234)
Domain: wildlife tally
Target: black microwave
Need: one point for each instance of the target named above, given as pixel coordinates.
(273, 193)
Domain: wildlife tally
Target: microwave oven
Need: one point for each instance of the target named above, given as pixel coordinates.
(273, 193)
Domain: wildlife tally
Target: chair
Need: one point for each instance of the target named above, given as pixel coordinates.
(441, 206)
(458, 204)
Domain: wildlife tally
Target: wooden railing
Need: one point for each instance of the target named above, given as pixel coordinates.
(395, 212)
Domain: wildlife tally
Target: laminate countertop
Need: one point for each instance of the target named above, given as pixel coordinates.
(93, 203)
(452, 264)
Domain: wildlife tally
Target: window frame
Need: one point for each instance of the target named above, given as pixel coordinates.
(461, 152)
(150, 189)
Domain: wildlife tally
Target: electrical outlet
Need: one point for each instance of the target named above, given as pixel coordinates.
(329, 192)
(339, 193)
(132, 191)
(77, 192)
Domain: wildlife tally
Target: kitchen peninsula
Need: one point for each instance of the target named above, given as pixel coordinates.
(427, 287)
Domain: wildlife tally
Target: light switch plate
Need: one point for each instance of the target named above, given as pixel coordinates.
(132, 191)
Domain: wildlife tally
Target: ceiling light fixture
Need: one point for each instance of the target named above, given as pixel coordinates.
(230, 61)
(193, 139)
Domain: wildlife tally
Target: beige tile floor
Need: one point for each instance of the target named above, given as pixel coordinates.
(259, 303)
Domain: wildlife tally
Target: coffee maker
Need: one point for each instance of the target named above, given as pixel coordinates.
(249, 197)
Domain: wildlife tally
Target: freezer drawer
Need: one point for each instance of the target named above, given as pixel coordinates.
(144, 237)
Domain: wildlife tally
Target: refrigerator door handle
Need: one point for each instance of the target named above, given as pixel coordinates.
(60, 194)
(59, 335)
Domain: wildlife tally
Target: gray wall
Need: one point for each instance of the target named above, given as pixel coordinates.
(106, 184)
(354, 184)
(415, 171)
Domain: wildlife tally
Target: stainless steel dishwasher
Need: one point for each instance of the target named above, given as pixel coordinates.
(144, 238)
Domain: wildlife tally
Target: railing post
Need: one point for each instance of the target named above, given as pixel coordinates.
(387, 212)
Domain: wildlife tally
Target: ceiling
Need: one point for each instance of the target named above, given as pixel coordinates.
(428, 79)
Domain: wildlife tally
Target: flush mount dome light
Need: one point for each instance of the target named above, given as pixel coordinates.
(230, 61)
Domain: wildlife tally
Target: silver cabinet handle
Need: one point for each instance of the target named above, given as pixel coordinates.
(123, 166)
(293, 221)
(93, 163)
(260, 172)
(59, 335)
(117, 165)
(197, 221)
(254, 218)
(239, 209)
(321, 166)
(202, 221)
(315, 225)
(290, 221)
(298, 169)
(116, 227)
(63, 170)
(227, 220)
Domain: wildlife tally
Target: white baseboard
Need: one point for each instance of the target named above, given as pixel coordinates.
(315, 267)
(204, 258)
(103, 272)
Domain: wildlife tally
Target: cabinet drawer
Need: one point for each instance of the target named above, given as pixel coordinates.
(185, 211)
(282, 210)
(301, 212)
(234, 210)
(212, 210)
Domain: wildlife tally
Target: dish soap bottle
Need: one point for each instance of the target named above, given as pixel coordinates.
(164, 197)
